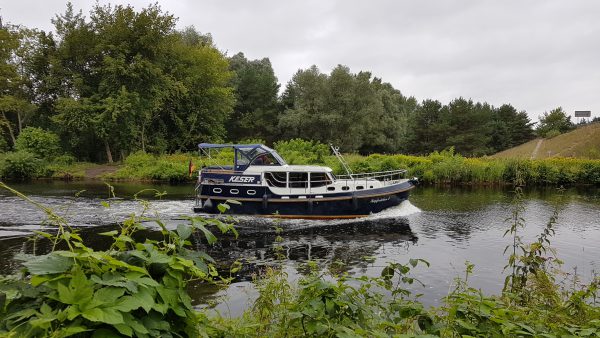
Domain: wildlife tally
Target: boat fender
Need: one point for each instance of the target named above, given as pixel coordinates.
(354, 202)
(265, 202)
(207, 205)
(310, 206)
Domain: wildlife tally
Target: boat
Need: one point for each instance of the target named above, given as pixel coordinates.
(263, 184)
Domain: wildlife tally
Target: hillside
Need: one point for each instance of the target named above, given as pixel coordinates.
(583, 142)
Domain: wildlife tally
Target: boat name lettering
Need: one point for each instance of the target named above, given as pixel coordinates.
(241, 179)
(378, 200)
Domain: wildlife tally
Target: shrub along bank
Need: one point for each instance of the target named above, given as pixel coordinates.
(444, 167)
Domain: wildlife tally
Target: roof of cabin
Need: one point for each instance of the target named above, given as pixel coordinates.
(286, 168)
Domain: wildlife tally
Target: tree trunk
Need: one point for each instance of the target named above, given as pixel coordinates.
(20, 123)
(143, 141)
(108, 153)
(10, 130)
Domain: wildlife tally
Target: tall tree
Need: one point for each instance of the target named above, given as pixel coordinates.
(428, 129)
(15, 103)
(127, 80)
(255, 114)
(510, 128)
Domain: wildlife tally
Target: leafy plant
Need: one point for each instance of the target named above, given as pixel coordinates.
(44, 144)
(21, 165)
(134, 288)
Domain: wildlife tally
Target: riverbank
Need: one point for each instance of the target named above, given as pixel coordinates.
(446, 168)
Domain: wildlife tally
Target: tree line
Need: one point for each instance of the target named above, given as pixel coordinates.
(121, 80)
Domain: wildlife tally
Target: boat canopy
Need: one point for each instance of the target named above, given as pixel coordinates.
(248, 154)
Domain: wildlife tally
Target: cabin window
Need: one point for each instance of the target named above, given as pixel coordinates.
(264, 159)
(319, 180)
(330, 188)
(298, 180)
(276, 179)
(359, 187)
(345, 188)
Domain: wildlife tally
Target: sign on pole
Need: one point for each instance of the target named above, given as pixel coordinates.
(583, 113)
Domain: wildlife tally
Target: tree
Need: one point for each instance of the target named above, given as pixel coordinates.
(125, 80)
(428, 129)
(357, 112)
(255, 114)
(14, 101)
(510, 128)
(553, 122)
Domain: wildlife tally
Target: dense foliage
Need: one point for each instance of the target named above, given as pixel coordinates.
(134, 288)
(123, 80)
(137, 288)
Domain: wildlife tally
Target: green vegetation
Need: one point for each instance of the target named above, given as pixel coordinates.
(136, 83)
(554, 123)
(444, 167)
(135, 89)
(138, 289)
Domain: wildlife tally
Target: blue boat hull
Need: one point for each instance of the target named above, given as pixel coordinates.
(340, 205)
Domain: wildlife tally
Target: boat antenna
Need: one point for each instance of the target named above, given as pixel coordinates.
(336, 152)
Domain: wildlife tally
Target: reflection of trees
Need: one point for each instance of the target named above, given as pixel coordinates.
(329, 245)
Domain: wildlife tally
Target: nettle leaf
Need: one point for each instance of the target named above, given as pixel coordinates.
(184, 231)
(210, 237)
(109, 295)
(223, 207)
(103, 315)
(124, 329)
(109, 233)
(48, 264)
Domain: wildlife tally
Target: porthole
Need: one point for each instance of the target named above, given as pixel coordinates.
(330, 188)
(251, 192)
(234, 191)
(359, 187)
(345, 188)
(217, 190)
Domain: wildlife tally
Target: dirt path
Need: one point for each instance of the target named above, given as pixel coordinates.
(537, 148)
(96, 172)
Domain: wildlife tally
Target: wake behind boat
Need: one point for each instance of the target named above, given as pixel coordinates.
(267, 186)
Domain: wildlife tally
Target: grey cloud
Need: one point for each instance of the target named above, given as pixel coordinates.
(534, 54)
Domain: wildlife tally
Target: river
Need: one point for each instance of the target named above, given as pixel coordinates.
(445, 226)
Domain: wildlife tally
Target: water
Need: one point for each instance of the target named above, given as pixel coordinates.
(445, 226)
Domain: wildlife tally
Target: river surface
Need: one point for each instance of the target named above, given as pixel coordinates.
(445, 226)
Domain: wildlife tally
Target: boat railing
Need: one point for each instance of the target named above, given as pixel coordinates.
(386, 177)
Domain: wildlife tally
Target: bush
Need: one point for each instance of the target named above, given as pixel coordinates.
(298, 151)
(140, 159)
(43, 143)
(64, 160)
(551, 133)
(21, 165)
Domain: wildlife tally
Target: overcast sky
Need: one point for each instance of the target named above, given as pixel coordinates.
(536, 55)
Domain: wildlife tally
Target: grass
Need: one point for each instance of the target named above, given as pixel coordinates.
(583, 142)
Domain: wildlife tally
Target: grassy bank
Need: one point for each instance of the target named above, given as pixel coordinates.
(437, 168)
(139, 288)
